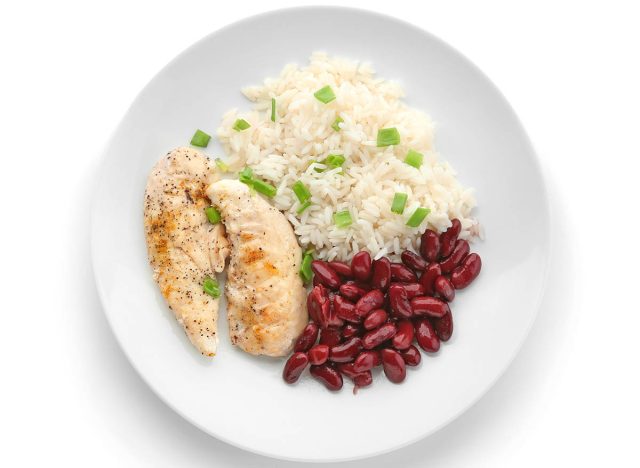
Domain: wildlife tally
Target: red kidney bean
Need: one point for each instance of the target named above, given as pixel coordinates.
(334, 320)
(345, 309)
(443, 326)
(430, 306)
(426, 336)
(352, 291)
(325, 274)
(460, 252)
(378, 336)
(326, 374)
(401, 273)
(294, 367)
(412, 289)
(361, 266)
(372, 300)
(393, 365)
(347, 368)
(316, 280)
(374, 319)
(463, 275)
(404, 335)
(346, 351)
(330, 337)
(366, 360)
(430, 246)
(448, 238)
(428, 278)
(381, 276)
(399, 302)
(318, 354)
(411, 356)
(363, 379)
(342, 269)
(319, 306)
(307, 338)
(413, 261)
(351, 330)
(444, 288)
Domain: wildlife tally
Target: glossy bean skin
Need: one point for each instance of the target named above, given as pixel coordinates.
(294, 367)
(347, 368)
(350, 330)
(318, 306)
(342, 269)
(326, 374)
(345, 310)
(460, 252)
(374, 299)
(325, 274)
(366, 360)
(411, 356)
(330, 337)
(429, 306)
(318, 354)
(399, 302)
(307, 338)
(394, 366)
(352, 291)
(430, 246)
(361, 266)
(426, 336)
(443, 326)
(374, 319)
(428, 278)
(413, 261)
(412, 289)
(401, 273)
(463, 275)
(448, 238)
(334, 320)
(444, 288)
(378, 336)
(404, 335)
(381, 276)
(347, 351)
(363, 379)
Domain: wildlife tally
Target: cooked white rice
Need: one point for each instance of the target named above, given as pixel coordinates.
(285, 151)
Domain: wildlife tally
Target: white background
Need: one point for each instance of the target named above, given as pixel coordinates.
(68, 72)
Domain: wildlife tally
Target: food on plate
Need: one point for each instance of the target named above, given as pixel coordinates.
(264, 291)
(185, 249)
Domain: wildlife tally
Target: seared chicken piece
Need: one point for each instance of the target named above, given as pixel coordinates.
(184, 248)
(265, 296)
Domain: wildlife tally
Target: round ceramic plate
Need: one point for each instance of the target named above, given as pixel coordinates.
(242, 399)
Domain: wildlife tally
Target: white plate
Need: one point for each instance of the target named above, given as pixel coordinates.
(242, 399)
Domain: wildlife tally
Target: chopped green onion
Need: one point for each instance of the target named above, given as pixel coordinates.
(222, 165)
(211, 287)
(418, 216)
(342, 219)
(301, 191)
(335, 125)
(246, 175)
(264, 188)
(388, 137)
(334, 160)
(325, 95)
(414, 159)
(200, 139)
(303, 207)
(398, 203)
(305, 267)
(212, 215)
(273, 109)
(240, 125)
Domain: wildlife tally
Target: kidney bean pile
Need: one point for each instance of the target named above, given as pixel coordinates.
(369, 314)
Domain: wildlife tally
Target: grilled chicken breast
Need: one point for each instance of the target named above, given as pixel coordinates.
(184, 248)
(265, 296)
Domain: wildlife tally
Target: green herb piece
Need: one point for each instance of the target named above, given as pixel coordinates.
(388, 137)
(273, 109)
(305, 267)
(334, 160)
(240, 125)
(414, 159)
(211, 287)
(303, 207)
(200, 139)
(264, 188)
(342, 219)
(399, 202)
(301, 191)
(335, 125)
(212, 215)
(325, 95)
(246, 175)
(222, 165)
(418, 216)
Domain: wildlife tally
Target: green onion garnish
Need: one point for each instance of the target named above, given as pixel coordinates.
(264, 188)
(305, 267)
(301, 191)
(414, 159)
(212, 215)
(335, 123)
(222, 165)
(211, 287)
(388, 137)
(240, 125)
(325, 95)
(334, 160)
(246, 175)
(398, 203)
(303, 207)
(200, 139)
(273, 109)
(342, 219)
(418, 216)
